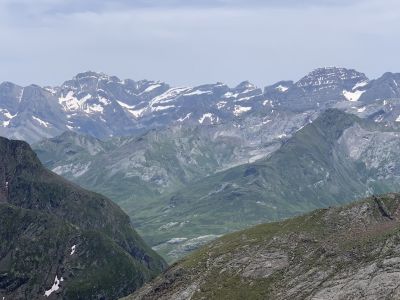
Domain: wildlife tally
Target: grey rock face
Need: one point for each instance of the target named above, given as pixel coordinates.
(385, 87)
(350, 252)
(104, 106)
(319, 89)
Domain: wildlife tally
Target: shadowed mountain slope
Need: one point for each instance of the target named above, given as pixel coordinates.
(52, 229)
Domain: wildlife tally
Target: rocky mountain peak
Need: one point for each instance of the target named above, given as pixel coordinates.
(7, 85)
(332, 77)
(92, 74)
(246, 85)
(88, 81)
(391, 77)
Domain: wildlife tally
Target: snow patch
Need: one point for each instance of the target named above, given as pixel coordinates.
(169, 95)
(281, 88)
(244, 99)
(124, 105)
(152, 88)
(21, 95)
(48, 89)
(135, 112)
(266, 102)
(198, 92)
(104, 101)
(73, 248)
(9, 116)
(221, 104)
(360, 84)
(236, 95)
(266, 121)
(230, 95)
(362, 109)
(398, 119)
(352, 96)
(138, 112)
(160, 108)
(41, 122)
(71, 103)
(94, 108)
(238, 110)
(208, 116)
(185, 118)
(55, 287)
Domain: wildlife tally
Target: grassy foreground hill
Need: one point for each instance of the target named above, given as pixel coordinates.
(349, 252)
(61, 241)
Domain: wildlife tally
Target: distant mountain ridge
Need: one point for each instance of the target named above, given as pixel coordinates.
(104, 106)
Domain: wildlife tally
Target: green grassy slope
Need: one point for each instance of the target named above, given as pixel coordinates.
(43, 216)
(349, 252)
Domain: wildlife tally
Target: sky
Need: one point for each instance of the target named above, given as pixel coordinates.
(191, 42)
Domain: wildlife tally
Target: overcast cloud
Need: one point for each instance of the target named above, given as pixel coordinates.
(193, 42)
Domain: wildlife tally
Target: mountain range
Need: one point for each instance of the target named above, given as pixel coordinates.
(105, 106)
(182, 188)
(178, 158)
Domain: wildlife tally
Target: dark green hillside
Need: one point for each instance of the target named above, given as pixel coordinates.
(42, 216)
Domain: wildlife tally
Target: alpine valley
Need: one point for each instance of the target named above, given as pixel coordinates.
(189, 164)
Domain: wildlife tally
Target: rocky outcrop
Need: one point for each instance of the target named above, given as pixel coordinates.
(351, 252)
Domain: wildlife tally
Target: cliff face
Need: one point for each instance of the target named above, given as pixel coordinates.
(61, 241)
(351, 252)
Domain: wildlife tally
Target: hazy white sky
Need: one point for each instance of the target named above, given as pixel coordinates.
(185, 42)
